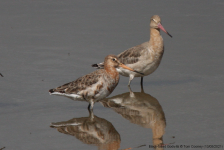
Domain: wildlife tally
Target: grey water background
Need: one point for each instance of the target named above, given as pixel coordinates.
(44, 44)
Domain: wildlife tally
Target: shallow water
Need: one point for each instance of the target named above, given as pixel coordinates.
(45, 44)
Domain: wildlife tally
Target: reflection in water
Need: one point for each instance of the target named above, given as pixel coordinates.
(142, 109)
(91, 130)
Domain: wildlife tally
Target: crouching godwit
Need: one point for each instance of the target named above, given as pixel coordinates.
(94, 86)
(144, 58)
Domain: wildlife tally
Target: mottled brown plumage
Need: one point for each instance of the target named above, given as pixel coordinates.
(82, 82)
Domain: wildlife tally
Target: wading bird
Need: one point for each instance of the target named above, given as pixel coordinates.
(94, 86)
(144, 58)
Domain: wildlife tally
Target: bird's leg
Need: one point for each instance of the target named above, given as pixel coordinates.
(141, 81)
(131, 93)
(129, 89)
(142, 84)
(91, 115)
(91, 104)
(131, 77)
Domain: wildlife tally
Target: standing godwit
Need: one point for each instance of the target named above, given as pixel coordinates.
(145, 57)
(94, 86)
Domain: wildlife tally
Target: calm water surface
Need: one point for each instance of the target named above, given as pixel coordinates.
(44, 44)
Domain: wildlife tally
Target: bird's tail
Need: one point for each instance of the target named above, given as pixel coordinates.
(51, 91)
(98, 66)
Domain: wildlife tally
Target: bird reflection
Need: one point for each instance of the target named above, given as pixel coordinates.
(142, 109)
(91, 130)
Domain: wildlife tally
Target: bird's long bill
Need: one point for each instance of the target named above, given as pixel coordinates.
(126, 67)
(162, 28)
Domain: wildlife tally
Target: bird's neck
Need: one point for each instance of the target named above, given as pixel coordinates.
(156, 40)
(112, 72)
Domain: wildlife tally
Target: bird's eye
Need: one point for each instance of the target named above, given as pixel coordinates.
(113, 59)
(154, 20)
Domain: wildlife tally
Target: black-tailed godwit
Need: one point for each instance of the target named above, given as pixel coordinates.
(144, 58)
(94, 86)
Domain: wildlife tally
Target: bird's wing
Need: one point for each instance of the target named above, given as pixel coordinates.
(132, 55)
(129, 56)
(81, 83)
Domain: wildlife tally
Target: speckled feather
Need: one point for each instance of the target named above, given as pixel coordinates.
(81, 83)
